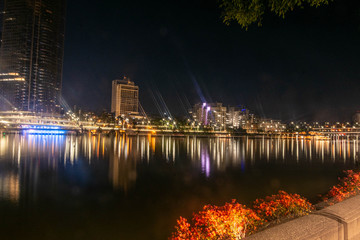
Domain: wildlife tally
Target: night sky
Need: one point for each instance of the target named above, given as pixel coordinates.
(303, 67)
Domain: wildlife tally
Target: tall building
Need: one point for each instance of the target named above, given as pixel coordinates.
(31, 55)
(125, 97)
(1, 17)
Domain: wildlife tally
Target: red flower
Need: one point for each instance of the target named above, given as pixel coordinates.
(348, 186)
(282, 205)
(232, 221)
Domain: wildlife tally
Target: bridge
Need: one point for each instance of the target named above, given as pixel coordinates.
(337, 133)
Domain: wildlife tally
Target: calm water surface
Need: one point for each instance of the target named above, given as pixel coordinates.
(100, 187)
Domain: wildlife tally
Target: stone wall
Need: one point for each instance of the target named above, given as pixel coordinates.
(338, 222)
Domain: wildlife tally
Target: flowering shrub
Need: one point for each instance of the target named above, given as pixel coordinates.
(232, 221)
(348, 186)
(282, 205)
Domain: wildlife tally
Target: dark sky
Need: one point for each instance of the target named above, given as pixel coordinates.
(303, 67)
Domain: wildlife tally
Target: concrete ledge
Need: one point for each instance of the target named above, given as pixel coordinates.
(338, 222)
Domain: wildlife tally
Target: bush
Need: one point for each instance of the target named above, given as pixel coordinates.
(232, 221)
(282, 205)
(348, 186)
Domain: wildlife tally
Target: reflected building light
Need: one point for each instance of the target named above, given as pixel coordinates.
(13, 151)
(122, 173)
(283, 149)
(66, 151)
(213, 153)
(10, 187)
(297, 151)
(242, 158)
(198, 148)
(162, 144)
(354, 150)
(252, 151)
(344, 150)
(173, 151)
(153, 144)
(137, 143)
(115, 143)
(205, 161)
(119, 150)
(19, 155)
(76, 149)
(356, 154)
(148, 151)
(89, 149)
(72, 152)
(142, 147)
(98, 146)
(222, 151)
(126, 149)
(167, 149)
(322, 152)
(187, 145)
(103, 147)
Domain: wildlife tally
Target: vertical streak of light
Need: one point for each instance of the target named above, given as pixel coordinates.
(103, 147)
(297, 151)
(98, 146)
(153, 144)
(267, 150)
(148, 151)
(354, 150)
(173, 149)
(162, 145)
(310, 149)
(333, 151)
(252, 152)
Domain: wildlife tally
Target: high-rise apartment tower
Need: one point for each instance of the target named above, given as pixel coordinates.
(125, 97)
(31, 55)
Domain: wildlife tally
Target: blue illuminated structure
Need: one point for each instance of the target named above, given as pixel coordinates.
(45, 132)
(39, 127)
(43, 129)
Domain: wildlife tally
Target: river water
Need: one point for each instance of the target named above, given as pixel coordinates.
(117, 187)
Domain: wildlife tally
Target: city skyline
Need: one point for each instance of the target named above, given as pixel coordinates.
(319, 84)
(302, 67)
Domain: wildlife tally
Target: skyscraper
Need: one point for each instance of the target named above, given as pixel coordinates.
(1, 21)
(125, 97)
(31, 55)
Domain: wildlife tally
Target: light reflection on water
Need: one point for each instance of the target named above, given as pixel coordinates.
(24, 157)
(105, 187)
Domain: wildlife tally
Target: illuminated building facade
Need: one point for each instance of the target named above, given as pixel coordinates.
(31, 55)
(210, 114)
(270, 125)
(125, 97)
(219, 117)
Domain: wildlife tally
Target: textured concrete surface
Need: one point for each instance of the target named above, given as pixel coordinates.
(338, 222)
